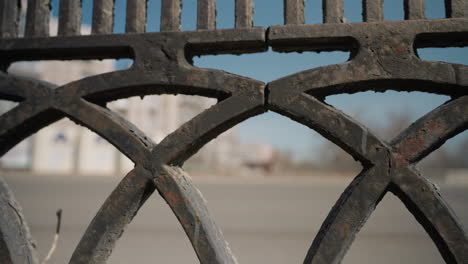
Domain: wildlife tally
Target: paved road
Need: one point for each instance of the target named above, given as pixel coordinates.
(265, 221)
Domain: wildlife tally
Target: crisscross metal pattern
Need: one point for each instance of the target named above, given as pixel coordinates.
(383, 58)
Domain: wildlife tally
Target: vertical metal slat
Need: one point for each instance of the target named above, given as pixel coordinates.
(455, 8)
(244, 13)
(136, 16)
(69, 18)
(171, 11)
(333, 11)
(103, 17)
(294, 12)
(372, 10)
(414, 9)
(206, 14)
(9, 18)
(37, 18)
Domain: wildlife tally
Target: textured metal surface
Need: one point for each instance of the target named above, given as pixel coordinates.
(383, 58)
(372, 10)
(136, 16)
(244, 13)
(206, 14)
(9, 18)
(294, 12)
(37, 18)
(69, 18)
(333, 11)
(103, 16)
(171, 15)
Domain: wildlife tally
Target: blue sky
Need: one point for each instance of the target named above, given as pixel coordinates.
(373, 109)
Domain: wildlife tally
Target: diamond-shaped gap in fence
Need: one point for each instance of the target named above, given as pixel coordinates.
(278, 208)
(158, 234)
(386, 234)
(387, 113)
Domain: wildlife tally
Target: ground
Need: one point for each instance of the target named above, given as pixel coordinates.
(269, 220)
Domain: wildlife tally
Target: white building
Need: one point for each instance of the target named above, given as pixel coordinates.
(64, 147)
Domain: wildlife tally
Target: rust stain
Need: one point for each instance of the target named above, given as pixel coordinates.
(345, 229)
(434, 125)
(411, 146)
(400, 161)
(183, 222)
(192, 78)
(400, 48)
(172, 198)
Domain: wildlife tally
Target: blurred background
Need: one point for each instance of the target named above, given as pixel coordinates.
(269, 181)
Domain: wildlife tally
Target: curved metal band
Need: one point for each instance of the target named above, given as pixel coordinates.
(331, 123)
(169, 183)
(363, 194)
(358, 76)
(118, 131)
(348, 215)
(16, 245)
(182, 197)
(432, 130)
(126, 137)
(114, 215)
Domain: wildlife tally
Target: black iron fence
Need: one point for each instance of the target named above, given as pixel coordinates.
(383, 57)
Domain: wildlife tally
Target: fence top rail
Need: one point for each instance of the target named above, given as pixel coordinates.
(19, 18)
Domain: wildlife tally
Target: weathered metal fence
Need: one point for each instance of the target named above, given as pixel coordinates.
(383, 57)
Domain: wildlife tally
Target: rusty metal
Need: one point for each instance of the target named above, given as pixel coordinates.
(383, 57)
